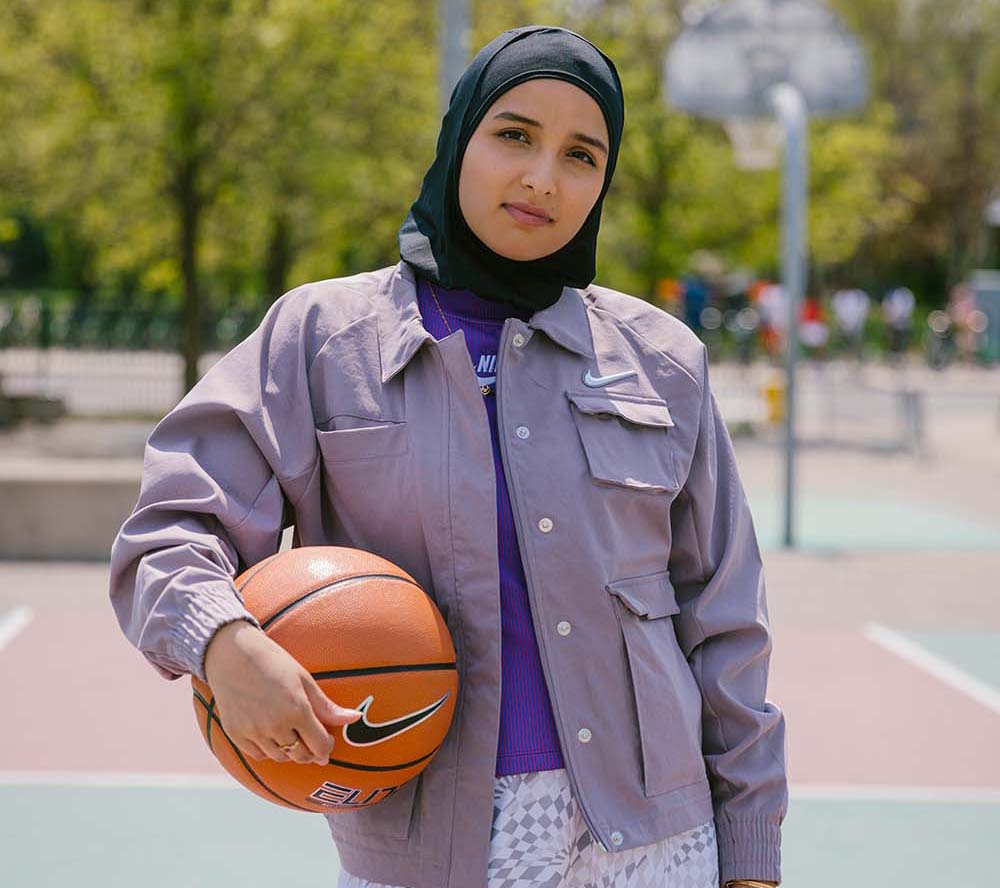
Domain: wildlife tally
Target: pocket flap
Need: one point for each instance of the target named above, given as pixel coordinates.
(647, 596)
(644, 411)
(363, 442)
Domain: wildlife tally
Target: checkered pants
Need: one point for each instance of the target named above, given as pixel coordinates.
(540, 840)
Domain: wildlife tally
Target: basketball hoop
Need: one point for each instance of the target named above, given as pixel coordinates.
(756, 141)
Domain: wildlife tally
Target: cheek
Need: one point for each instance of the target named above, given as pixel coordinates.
(477, 185)
(579, 201)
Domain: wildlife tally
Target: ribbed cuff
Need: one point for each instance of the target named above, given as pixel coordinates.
(214, 605)
(748, 849)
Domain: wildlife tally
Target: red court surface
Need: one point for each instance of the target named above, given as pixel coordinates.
(84, 701)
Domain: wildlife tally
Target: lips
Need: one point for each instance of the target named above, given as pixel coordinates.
(528, 214)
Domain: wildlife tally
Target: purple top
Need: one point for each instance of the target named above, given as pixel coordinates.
(528, 739)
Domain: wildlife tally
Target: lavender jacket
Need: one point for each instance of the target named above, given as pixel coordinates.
(341, 415)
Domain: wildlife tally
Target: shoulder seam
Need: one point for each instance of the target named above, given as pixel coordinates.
(652, 345)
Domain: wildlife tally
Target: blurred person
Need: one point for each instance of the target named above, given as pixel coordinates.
(668, 294)
(897, 314)
(961, 306)
(850, 311)
(773, 311)
(297, 425)
(695, 300)
(813, 329)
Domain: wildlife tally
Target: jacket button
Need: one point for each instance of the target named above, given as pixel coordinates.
(545, 525)
(617, 838)
(523, 431)
(563, 628)
(584, 735)
(518, 340)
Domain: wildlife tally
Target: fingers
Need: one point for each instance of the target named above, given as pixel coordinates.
(325, 710)
(252, 749)
(298, 753)
(315, 737)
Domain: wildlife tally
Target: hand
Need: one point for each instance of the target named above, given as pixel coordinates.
(265, 699)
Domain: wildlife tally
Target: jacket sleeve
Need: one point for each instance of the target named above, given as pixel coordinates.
(723, 629)
(218, 483)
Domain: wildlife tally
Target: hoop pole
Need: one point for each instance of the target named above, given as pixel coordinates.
(789, 106)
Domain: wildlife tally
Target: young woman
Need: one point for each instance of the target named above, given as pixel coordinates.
(569, 497)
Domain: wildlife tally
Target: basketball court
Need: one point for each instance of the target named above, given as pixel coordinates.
(886, 663)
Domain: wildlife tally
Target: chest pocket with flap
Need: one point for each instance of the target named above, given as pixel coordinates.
(627, 439)
(359, 442)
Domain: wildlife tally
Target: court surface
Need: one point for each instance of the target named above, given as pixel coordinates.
(886, 663)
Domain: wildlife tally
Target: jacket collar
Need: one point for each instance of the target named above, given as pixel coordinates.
(401, 331)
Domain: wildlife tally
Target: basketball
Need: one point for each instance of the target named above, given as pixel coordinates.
(374, 641)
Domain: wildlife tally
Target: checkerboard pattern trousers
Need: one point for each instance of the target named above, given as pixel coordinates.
(540, 840)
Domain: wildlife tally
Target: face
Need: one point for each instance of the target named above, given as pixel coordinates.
(543, 146)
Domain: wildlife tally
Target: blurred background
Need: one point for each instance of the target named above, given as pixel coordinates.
(170, 167)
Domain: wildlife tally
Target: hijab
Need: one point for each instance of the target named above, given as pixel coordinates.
(435, 238)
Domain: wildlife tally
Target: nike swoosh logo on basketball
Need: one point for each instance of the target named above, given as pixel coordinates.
(597, 381)
(366, 733)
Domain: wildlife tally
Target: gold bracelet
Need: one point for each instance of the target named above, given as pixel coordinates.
(748, 883)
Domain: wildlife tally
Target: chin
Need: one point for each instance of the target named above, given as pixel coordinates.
(521, 252)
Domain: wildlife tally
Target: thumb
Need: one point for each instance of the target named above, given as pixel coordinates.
(328, 712)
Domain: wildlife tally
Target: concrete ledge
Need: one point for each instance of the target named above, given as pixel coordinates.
(64, 509)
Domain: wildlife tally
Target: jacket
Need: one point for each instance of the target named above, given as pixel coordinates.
(341, 415)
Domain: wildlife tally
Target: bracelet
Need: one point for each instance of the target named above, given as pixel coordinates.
(749, 883)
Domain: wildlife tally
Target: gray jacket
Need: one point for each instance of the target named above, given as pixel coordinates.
(341, 415)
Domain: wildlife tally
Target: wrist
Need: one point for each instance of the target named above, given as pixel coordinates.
(223, 641)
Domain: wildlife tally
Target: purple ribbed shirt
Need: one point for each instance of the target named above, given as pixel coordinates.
(528, 740)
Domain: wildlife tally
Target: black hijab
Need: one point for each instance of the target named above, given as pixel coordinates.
(435, 238)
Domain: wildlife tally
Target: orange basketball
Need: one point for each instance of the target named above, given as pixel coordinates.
(374, 641)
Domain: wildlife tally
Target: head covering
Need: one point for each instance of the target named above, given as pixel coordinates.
(435, 238)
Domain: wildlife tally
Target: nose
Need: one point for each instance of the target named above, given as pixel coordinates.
(540, 177)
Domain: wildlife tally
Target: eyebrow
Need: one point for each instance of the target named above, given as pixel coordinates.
(580, 137)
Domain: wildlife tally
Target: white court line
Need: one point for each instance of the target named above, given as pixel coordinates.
(888, 793)
(108, 779)
(804, 791)
(937, 666)
(12, 623)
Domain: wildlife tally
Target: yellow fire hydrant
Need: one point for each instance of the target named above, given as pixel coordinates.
(774, 396)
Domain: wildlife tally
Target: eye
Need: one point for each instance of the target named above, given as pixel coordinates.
(516, 132)
(503, 133)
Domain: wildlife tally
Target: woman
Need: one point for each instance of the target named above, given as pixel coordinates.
(614, 687)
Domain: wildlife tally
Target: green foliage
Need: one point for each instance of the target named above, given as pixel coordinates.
(284, 140)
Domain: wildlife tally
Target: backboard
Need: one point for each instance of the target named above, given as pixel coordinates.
(730, 54)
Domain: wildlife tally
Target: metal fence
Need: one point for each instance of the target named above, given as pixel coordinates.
(106, 358)
(46, 318)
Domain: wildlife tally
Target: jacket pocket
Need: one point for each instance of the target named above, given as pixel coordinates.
(363, 442)
(389, 819)
(368, 487)
(666, 696)
(626, 439)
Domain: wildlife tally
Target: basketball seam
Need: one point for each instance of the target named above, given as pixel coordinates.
(355, 766)
(375, 670)
(293, 604)
(246, 764)
(256, 569)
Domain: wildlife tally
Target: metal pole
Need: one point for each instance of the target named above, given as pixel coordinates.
(453, 18)
(790, 108)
